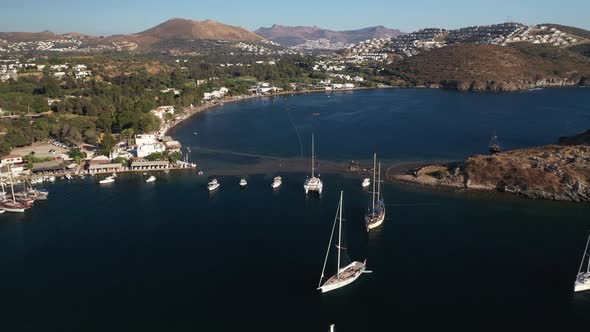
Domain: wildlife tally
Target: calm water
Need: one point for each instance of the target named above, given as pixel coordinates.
(169, 256)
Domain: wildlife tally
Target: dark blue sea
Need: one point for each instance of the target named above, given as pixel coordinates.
(170, 256)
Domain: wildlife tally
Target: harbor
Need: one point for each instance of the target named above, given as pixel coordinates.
(179, 238)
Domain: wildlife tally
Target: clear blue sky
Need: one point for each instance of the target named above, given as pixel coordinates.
(106, 17)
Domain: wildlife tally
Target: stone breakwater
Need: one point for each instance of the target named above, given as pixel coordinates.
(553, 172)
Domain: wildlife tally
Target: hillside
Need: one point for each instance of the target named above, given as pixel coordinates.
(480, 67)
(581, 33)
(292, 36)
(28, 36)
(210, 30)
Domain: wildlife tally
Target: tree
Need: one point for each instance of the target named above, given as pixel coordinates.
(107, 144)
(174, 157)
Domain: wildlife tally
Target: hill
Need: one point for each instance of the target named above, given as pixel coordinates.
(28, 36)
(293, 36)
(209, 30)
(481, 67)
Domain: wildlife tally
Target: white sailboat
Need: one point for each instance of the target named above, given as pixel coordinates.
(345, 275)
(582, 282)
(277, 181)
(313, 183)
(376, 215)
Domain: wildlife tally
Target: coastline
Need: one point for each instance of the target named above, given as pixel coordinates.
(191, 111)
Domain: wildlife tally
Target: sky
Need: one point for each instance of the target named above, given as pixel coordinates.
(107, 17)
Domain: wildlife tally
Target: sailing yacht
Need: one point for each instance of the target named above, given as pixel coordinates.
(495, 145)
(12, 205)
(345, 275)
(376, 214)
(582, 282)
(314, 183)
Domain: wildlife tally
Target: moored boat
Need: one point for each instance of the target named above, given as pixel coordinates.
(495, 145)
(213, 185)
(366, 182)
(106, 180)
(277, 181)
(313, 183)
(376, 214)
(582, 282)
(345, 275)
(150, 179)
(243, 182)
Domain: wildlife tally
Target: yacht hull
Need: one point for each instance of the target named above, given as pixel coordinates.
(349, 274)
(582, 282)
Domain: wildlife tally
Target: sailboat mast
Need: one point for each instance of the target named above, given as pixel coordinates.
(11, 184)
(339, 236)
(1, 180)
(312, 155)
(374, 169)
(379, 184)
(584, 256)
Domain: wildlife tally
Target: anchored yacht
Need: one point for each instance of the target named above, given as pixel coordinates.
(313, 183)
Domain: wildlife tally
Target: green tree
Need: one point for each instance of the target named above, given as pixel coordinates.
(107, 144)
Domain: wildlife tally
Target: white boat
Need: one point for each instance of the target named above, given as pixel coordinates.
(52, 179)
(213, 185)
(313, 183)
(276, 182)
(366, 182)
(243, 183)
(68, 176)
(582, 282)
(376, 214)
(200, 173)
(2, 211)
(345, 275)
(151, 179)
(106, 180)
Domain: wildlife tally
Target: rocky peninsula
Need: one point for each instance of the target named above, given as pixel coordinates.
(554, 172)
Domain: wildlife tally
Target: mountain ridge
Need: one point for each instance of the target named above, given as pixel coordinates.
(297, 35)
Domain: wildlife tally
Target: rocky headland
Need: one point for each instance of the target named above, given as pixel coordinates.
(554, 172)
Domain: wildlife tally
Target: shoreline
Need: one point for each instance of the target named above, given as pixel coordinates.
(228, 100)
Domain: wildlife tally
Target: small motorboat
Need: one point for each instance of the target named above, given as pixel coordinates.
(150, 179)
(277, 182)
(243, 183)
(68, 176)
(106, 180)
(200, 173)
(366, 182)
(213, 185)
(2, 211)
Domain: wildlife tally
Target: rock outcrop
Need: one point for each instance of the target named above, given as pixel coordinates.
(553, 172)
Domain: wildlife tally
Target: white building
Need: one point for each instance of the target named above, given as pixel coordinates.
(11, 159)
(144, 139)
(147, 149)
